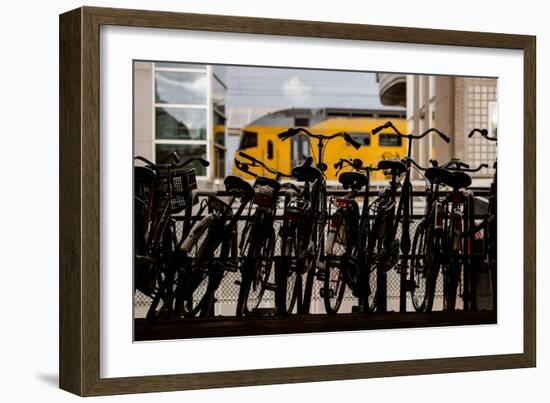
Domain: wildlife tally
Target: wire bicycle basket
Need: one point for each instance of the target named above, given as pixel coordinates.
(174, 187)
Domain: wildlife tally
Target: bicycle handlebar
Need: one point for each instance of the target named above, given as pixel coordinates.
(457, 165)
(409, 159)
(356, 164)
(389, 125)
(256, 162)
(243, 167)
(382, 127)
(483, 132)
(300, 130)
(248, 157)
(484, 165)
(174, 155)
(350, 140)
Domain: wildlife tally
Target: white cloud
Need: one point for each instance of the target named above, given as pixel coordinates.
(298, 92)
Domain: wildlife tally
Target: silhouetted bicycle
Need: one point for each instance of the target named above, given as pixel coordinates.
(161, 191)
(391, 215)
(316, 265)
(348, 234)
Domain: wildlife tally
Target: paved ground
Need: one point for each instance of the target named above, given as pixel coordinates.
(224, 326)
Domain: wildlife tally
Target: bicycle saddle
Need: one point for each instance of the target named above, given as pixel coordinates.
(305, 172)
(459, 180)
(290, 186)
(394, 165)
(272, 183)
(438, 175)
(235, 184)
(352, 180)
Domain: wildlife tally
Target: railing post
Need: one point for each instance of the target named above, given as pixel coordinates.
(403, 291)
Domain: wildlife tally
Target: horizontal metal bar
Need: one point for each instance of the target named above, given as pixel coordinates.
(342, 192)
(279, 217)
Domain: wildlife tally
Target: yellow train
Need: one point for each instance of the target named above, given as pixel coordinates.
(259, 138)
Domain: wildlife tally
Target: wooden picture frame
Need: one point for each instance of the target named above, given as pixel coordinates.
(79, 200)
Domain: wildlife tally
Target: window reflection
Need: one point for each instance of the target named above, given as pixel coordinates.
(175, 65)
(180, 87)
(181, 124)
(185, 152)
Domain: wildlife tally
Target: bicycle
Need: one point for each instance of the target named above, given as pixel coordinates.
(428, 241)
(347, 240)
(161, 191)
(459, 237)
(316, 221)
(390, 215)
(202, 271)
(257, 244)
(295, 233)
(489, 224)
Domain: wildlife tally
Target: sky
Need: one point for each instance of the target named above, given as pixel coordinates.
(255, 91)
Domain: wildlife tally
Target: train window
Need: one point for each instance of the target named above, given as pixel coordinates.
(362, 137)
(248, 140)
(269, 150)
(390, 140)
(396, 115)
(301, 122)
(299, 149)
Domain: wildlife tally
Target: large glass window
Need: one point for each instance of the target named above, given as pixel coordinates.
(180, 87)
(493, 119)
(181, 122)
(218, 94)
(180, 66)
(482, 108)
(189, 115)
(185, 152)
(218, 115)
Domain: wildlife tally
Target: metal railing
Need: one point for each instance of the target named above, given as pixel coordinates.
(227, 293)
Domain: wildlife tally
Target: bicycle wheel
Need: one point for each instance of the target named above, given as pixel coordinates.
(419, 269)
(424, 267)
(316, 246)
(470, 258)
(454, 244)
(264, 266)
(289, 274)
(162, 304)
(451, 280)
(257, 266)
(492, 255)
(375, 245)
(337, 251)
(193, 278)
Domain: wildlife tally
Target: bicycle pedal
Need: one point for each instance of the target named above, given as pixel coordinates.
(238, 282)
(320, 275)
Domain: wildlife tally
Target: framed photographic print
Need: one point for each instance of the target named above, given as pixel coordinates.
(249, 201)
